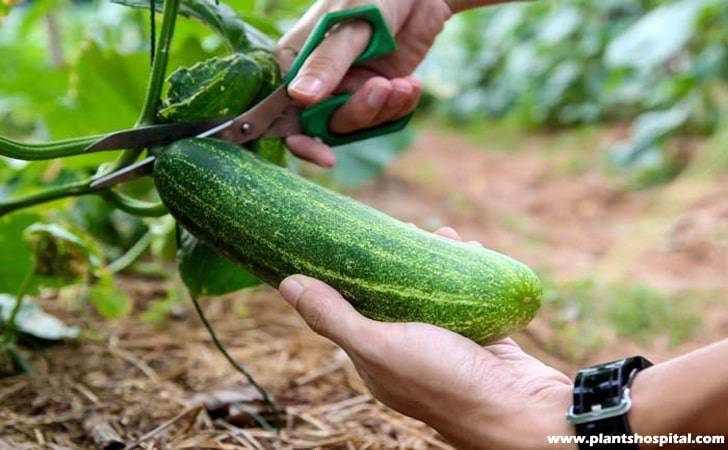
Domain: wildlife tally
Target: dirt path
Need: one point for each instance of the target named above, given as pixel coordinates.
(572, 225)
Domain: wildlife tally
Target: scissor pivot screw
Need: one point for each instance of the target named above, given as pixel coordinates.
(246, 128)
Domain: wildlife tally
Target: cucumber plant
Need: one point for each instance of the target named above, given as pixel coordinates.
(241, 209)
(54, 257)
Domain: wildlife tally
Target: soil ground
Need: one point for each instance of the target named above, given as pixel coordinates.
(144, 383)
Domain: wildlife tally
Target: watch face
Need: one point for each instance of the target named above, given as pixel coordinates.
(614, 388)
(600, 386)
(602, 397)
(603, 386)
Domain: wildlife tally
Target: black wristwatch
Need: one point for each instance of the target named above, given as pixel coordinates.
(602, 400)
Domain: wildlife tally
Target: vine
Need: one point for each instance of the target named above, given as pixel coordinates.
(221, 347)
(77, 146)
(133, 206)
(10, 337)
(160, 44)
(75, 189)
(50, 150)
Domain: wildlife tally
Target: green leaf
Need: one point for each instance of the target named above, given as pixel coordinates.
(105, 92)
(33, 321)
(102, 90)
(205, 272)
(271, 149)
(362, 162)
(559, 24)
(161, 310)
(228, 24)
(649, 129)
(61, 257)
(164, 238)
(109, 301)
(656, 37)
(220, 18)
(16, 259)
(112, 227)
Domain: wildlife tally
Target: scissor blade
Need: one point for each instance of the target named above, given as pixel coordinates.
(274, 116)
(140, 169)
(255, 122)
(139, 138)
(288, 124)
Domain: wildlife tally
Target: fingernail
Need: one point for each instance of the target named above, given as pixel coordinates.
(290, 289)
(307, 85)
(378, 97)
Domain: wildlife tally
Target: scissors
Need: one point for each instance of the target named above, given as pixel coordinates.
(275, 116)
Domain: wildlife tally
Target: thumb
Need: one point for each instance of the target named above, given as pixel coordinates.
(325, 311)
(326, 67)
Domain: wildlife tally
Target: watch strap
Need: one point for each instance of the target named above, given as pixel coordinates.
(602, 401)
(611, 426)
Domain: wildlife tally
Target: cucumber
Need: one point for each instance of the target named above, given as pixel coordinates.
(212, 89)
(224, 87)
(275, 224)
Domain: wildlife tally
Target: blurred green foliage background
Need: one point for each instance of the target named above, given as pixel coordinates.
(662, 64)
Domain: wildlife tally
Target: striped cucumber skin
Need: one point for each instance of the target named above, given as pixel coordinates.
(275, 224)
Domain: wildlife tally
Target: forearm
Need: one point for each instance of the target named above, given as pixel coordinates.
(684, 395)
(461, 5)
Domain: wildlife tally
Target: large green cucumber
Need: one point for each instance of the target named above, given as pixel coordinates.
(275, 224)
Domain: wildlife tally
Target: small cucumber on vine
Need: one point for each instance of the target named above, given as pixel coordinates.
(224, 87)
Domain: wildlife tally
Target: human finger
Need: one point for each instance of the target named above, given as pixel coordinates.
(363, 107)
(311, 150)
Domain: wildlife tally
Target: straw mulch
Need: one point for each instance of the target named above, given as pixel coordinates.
(131, 384)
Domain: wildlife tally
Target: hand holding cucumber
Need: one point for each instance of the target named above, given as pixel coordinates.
(498, 396)
(440, 377)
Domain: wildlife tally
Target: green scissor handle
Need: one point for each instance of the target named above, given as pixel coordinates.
(315, 119)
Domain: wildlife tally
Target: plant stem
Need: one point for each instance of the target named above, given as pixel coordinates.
(9, 334)
(128, 258)
(79, 188)
(159, 66)
(50, 150)
(20, 364)
(152, 30)
(74, 189)
(156, 77)
(133, 206)
(221, 347)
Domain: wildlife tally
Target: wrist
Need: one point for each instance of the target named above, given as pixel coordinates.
(643, 419)
(521, 427)
(653, 413)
